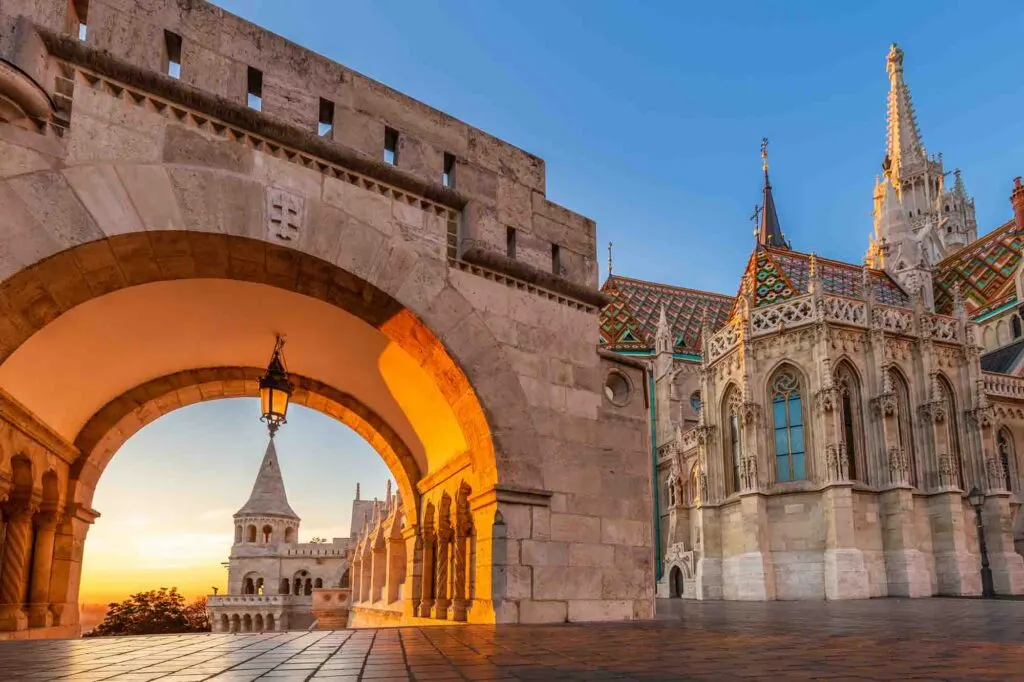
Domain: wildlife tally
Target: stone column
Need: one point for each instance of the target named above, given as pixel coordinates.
(355, 579)
(906, 573)
(39, 615)
(378, 573)
(1007, 566)
(956, 562)
(755, 577)
(846, 576)
(396, 570)
(458, 606)
(429, 587)
(413, 571)
(15, 566)
(66, 570)
(441, 600)
(707, 545)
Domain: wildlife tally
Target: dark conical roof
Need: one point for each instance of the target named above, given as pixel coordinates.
(268, 496)
(771, 231)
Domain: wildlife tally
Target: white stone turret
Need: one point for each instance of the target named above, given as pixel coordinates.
(267, 518)
(917, 221)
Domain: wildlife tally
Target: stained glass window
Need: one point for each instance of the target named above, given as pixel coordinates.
(787, 416)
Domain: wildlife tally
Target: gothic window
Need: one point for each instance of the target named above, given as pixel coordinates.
(1004, 444)
(266, 533)
(788, 423)
(250, 534)
(695, 401)
(732, 442)
(904, 425)
(289, 534)
(849, 389)
(952, 427)
(1015, 324)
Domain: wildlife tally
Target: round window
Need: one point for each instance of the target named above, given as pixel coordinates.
(617, 388)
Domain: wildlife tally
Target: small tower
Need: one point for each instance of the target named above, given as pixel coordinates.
(663, 378)
(267, 518)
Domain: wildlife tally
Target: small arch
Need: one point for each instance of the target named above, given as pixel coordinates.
(1007, 457)
(248, 586)
(1015, 325)
(346, 579)
(250, 533)
(675, 583)
(259, 586)
(266, 534)
(236, 623)
(309, 587)
(904, 421)
(225, 623)
(257, 622)
(285, 587)
(987, 337)
(319, 582)
(238, 534)
(1002, 333)
(271, 624)
(952, 427)
(247, 623)
(848, 382)
(289, 534)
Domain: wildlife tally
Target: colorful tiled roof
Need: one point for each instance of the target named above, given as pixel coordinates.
(780, 274)
(984, 270)
(630, 321)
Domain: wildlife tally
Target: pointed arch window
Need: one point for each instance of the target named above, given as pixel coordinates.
(788, 426)
(1007, 457)
(732, 442)
(849, 390)
(904, 425)
(1015, 326)
(952, 428)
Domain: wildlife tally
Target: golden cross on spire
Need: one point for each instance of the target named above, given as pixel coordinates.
(609, 259)
(764, 153)
(755, 217)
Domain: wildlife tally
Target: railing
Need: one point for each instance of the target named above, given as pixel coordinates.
(791, 313)
(722, 341)
(1003, 386)
(689, 440)
(249, 600)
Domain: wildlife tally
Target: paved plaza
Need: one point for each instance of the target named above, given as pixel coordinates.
(854, 640)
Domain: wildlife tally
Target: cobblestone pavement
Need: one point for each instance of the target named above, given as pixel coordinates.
(858, 640)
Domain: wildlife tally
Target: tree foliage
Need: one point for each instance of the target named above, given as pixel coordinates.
(155, 612)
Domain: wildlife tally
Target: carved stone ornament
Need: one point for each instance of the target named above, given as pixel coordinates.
(837, 461)
(947, 469)
(748, 473)
(933, 411)
(750, 413)
(827, 399)
(897, 465)
(884, 405)
(22, 101)
(982, 417)
(995, 473)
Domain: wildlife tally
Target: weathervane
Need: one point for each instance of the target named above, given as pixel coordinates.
(764, 154)
(609, 259)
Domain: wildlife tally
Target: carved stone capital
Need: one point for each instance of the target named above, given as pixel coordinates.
(827, 399)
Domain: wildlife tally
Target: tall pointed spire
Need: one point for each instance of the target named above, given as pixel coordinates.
(905, 148)
(663, 336)
(268, 496)
(770, 233)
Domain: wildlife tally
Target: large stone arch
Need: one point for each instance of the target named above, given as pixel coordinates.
(108, 429)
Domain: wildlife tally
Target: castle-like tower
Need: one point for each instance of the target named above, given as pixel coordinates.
(271, 575)
(918, 222)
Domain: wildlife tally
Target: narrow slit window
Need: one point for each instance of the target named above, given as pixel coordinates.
(556, 259)
(255, 98)
(172, 43)
(448, 176)
(79, 16)
(391, 146)
(326, 123)
(510, 243)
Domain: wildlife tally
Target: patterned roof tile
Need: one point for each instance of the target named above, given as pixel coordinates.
(636, 305)
(983, 270)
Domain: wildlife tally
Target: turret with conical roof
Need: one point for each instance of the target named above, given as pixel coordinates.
(770, 231)
(267, 518)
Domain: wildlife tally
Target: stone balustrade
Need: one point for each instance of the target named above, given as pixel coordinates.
(1003, 386)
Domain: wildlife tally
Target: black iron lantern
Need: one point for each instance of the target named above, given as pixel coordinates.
(275, 391)
(976, 498)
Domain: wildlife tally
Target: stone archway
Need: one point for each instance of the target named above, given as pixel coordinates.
(126, 193)
(675, 582)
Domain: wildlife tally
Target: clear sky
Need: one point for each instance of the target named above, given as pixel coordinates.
(167, 496)
(649, 116)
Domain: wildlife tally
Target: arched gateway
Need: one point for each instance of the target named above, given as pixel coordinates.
(156, 234)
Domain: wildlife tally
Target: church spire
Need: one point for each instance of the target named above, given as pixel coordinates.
(770, 233)
(905, 147)
(268, 497)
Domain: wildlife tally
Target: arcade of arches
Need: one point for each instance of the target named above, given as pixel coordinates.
(157, 235)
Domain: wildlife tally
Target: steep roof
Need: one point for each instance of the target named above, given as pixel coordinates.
(630, 321)
(983, 269)
(1004, 360)
(268, 496)
(780, 274)
(770, 233)
(905, 146)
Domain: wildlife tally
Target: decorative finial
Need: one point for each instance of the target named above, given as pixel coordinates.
(388, 498)
(755, 217)
(894, 60)
(814, 266)
(764, 154)
(357, 491)
(609, 259)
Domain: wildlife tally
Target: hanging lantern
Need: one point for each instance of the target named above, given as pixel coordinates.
(275, 391)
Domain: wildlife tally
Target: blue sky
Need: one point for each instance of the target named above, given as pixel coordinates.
(649, 116)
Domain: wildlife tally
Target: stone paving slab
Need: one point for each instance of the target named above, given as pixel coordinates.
(888, 639)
